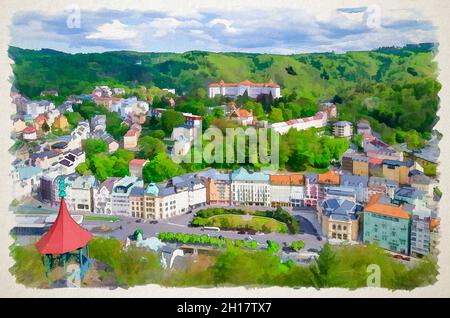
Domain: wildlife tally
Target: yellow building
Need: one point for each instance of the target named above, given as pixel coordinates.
(130, 140)
(361, 166)
(61, 123)
(339, 219)
(397, 171)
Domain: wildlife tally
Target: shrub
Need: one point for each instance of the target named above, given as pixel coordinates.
(162, 236)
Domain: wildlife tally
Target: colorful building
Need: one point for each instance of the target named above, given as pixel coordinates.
(387, 224)
(397, 171)
(339, 219)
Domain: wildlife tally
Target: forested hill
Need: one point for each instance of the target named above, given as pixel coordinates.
(396, 87)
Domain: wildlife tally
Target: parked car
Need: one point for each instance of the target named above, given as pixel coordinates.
(319, 238)
(39, 206)
(313, 250)
(241, 232)
(138, 221)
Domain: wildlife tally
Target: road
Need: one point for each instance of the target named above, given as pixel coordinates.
(127, 225)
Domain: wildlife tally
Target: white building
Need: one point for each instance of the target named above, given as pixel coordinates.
(287, 190)
(80, 133)
(195, 188)
(130, 106)
(343, 129)
(79, 193)
(103, 196)
(319, 120)
(237, 89)
(34, 108)
(25, 180)
(120, 194)
(250, 188)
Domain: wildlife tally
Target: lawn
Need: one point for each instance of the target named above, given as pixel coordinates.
(101, 218)
(257, 223)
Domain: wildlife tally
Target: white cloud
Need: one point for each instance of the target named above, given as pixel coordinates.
(115, 30)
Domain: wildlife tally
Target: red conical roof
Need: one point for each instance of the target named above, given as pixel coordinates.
(65, 235)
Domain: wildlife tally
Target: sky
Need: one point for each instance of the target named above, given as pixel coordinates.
(273, 30)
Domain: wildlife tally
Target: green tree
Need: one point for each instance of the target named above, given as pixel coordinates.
(171, 119)
(94, 146)
(161, 168)
(149, 147)
(276, 115)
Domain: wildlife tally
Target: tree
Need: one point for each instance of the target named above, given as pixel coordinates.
(94, 146)
(45, 127)
(171, 119)
(276, 115)
(161, 168)
(150, 147)
(272, 246)
(159, 134)
(321, 270)
(73, 118)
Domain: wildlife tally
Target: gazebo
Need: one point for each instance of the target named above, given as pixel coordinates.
(66, 240)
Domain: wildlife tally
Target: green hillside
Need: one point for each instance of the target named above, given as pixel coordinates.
(393, 87)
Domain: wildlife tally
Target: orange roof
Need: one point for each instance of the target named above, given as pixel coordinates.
(374, 207)
(434, 223)
(244, 113)
(286, 179)
(329, 177)
(270, 83)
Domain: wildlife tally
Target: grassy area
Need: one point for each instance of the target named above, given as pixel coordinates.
(257, 223)
(101, 218)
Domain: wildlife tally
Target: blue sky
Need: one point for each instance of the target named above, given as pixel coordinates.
(261, 30)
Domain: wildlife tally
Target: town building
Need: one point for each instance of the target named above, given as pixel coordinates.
(355, 163)
(79, 192)
(410, 195)
(382, 185)
(120, 194)
(130, 139)
(195, 188)
(103, 196)
(29, 134)
(25, 180)
(319, 120)
(158, 201)
(287, 190)
(387, 224)
(341, 193)
(329, 108)
(311, 189)
(129, 106)
(98, 123)
(326, 180)
(397, 171)
(420, 231)
(339, 219)
(250, 188)
(359, 183)
(242, 117)
(253, 90)
(136, 166)
(363, 127)
(343, 129)
(61, 122)
(218, 187)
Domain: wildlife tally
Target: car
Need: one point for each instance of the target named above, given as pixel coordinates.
(313, 250)
(188, 212)
(39, 206)
(138, 221)
(241, 232)
(319, 238)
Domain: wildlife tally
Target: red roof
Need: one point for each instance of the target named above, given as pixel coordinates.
(270, 83)
(29, 130)
(138, 162)
(64, 236)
